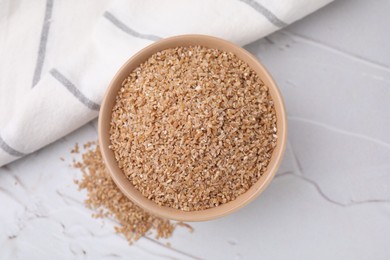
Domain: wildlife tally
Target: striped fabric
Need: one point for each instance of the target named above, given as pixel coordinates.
(57, 57)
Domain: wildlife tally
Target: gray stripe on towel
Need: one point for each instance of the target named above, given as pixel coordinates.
(265, 12)
(43, 42)
(8, 149)
(72, 89)
(109, 16)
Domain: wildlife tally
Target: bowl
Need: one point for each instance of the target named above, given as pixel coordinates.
(119, 177)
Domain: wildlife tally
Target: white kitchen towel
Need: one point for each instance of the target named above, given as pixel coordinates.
(57, 56)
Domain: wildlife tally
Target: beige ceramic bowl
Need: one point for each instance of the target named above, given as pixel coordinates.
(122, 181)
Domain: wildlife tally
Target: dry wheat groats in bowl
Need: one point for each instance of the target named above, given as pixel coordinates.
(192, 128)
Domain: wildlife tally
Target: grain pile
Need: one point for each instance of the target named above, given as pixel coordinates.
(105, 197)
(193, 128)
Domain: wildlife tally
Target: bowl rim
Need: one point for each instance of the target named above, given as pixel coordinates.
(119, 177)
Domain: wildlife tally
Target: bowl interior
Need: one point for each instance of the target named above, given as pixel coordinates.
(119, 177)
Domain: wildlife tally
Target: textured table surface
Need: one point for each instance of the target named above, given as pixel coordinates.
(329, 200)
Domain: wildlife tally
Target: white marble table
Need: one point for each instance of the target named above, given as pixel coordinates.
(330, 199)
